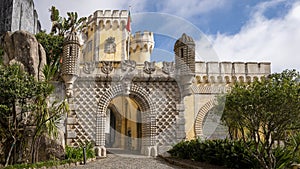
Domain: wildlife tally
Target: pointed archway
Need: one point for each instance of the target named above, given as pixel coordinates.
(123, 129)
(148, 118)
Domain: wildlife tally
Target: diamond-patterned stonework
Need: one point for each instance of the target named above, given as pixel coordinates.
(165, 96)
(157, 101)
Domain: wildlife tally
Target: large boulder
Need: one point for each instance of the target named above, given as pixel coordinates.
(21, 47)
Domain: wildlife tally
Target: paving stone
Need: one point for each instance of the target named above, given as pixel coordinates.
(114, 161)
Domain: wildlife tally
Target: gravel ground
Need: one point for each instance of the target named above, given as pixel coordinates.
(128, 162)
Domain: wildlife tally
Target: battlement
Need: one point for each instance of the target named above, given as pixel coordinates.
(213, 72)
(105, 15)
(143, 41)
(141, 46)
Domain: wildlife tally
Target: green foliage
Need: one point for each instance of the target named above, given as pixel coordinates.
(266, 112)
(47, 164)
(232, 154)
(62, 25)
(24, 103)
(53, 46)
(76, 153)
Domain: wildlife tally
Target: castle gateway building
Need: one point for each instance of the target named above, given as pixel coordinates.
(120, 99)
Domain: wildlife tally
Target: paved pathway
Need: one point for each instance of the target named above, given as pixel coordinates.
(128, 161)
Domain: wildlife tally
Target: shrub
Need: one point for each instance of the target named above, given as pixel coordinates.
(232, 154)
(76, 153)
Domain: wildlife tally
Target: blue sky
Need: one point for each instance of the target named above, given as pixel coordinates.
(224, 30)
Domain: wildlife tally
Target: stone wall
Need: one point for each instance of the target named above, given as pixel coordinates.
(18, 15)
(6, 8)
(227, 72)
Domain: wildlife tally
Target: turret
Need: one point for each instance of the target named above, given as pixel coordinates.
(141, 47)
(184, 49)
(70, 64)
(105, 36)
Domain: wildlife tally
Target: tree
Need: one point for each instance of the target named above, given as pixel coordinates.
(1, 54)
(53, 45)
(24, 111)
(265, 112)
(46, 118)
(62, 25)
(53, 42)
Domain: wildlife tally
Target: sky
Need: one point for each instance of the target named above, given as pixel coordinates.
(224, 30)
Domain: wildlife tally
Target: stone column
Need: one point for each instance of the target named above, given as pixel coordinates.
(96, 43)
(149, 146)
(180, 121)
(100, 135)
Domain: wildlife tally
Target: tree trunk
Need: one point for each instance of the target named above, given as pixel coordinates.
(37, 149)
(10, 150)
(33, 149)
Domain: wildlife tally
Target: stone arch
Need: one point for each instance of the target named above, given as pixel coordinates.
(200, 116)
(141, 97)
(220, 79)
(248, 79)
(108, 24)
(135, 92)
(122, 24)
(233, 79)
(101, 24)
(227, 79)
(115, 24)
(241, 79)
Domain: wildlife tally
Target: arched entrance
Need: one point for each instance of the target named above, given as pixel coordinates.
(145, 132)
(123, 127)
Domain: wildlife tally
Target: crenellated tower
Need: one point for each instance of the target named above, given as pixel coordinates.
(184, 49)
(141, 47)
(105, 36)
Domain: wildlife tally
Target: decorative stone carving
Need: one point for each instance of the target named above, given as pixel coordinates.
(89, 67)
(168, 67)
(128, 65)
(22, 48)
(107, 67)
(149, 67)
(110, 45)
(126, 86)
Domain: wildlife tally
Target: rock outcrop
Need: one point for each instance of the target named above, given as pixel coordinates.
(23, 48)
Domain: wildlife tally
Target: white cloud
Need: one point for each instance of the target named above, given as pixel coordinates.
(191, 8)
(275, 40)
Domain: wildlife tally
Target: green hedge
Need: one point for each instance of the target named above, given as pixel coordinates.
(231, 154)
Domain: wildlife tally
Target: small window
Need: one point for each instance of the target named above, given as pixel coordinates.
(181, 52)
(70, 50)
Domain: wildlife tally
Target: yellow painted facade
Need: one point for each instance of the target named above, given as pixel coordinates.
(127, 129)
(98, 35)
(189, 102)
